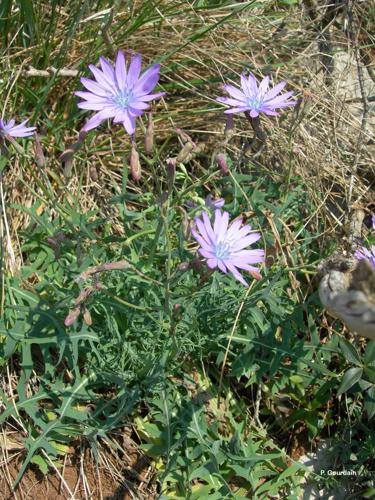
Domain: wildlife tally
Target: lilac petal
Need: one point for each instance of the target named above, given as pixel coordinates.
(212, 262)
(129, 123)
(119, 116)
(243, 265)
(134, 70)
(223, 225)
(120, 70)
(230, 101)
(245, 242)
(264, 85)
(93, 87)
(253, 85)
(100, 78)
(235, 273)
(150, 97)
(206, 253)
(12, 122)
(234, 92)
(107, 69)
(275, 101)
(221, 265)
(96, 119)
(269, 112)
(373, 222)
(89, 96)
(234, 227)
(217, 222)
(26, 132)
(208, 226)
(254, 113)
(94, 106)
(203, 243)
(140, 105)
(148, 80)
(274, 91)
(203, 231)
(236, 110)
(251, 256)
(135, 112)
(244, 231)
(245, 85)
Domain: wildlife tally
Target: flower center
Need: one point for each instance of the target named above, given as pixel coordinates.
(254, 102)
(222, 249)
(123, 99)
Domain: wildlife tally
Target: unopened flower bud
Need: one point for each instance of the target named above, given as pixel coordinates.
(184, 136)
(135, 165)
(39, 154)
(93, 173)
(87, 317)
(72, 316)
(184, 266)
(163, 197)
(186, 229)
(185, 152)
(222, 162)
(213, 204)
(171, 171)
(149, 139)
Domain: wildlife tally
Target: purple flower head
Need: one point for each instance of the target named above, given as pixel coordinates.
(213, 204)
(364, 253)
(13, 130)
(119, 92)
(256, 99)
(224, 247)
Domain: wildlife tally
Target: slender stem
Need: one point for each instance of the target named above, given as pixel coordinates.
(230, 341)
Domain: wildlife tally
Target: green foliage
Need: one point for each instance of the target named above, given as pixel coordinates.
(148, 344)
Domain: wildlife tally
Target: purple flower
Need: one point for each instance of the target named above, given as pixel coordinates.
(256, 99)
(364, 253)
(224, 247)
(213, 204)
(119, 92)
(13, 130)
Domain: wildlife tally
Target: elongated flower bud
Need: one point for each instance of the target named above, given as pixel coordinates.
(87, 317)
(39, 154)
(185, 152)
(222, 162)
(149, 139)
(135, 165)
(171, 171)
(72, 316)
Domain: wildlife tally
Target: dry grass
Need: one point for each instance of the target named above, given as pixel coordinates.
(327, 142)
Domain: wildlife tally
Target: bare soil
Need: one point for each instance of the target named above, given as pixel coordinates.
(80, 477)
